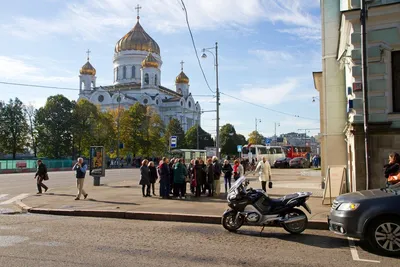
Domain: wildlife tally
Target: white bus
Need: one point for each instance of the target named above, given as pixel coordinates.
(257, 152)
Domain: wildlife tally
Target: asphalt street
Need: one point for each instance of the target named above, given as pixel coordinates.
(40, 240)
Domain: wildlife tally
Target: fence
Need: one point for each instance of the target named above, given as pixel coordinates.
(31, 164)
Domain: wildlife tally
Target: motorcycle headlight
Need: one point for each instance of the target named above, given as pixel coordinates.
(348, 206)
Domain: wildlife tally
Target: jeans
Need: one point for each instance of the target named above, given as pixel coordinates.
(211, 189)
(40, 184)
(147, 190)
(264, 186)
(227, 182)
(179, 190)
(153, 188)
(164, 188)
(79, 185)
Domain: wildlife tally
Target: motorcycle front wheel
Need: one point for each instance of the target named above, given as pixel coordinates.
(229, 221)
(296, 227)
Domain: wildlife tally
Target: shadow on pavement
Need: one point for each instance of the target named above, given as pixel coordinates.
(113, 202)
(319, 241)
(61, 195)
(364, 246)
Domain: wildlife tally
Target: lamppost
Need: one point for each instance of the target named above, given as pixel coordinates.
(276, 138)
(257, 121)
(217, 89)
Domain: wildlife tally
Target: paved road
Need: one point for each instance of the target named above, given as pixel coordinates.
(38, 240)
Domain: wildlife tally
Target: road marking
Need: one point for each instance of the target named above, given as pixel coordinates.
(354, 253)
(3, 196)
(14, 199)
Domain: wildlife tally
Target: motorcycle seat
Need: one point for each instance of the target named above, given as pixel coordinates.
(283, 200)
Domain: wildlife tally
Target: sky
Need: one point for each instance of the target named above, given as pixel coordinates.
(267, 52)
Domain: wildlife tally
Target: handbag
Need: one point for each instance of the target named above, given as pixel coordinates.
(394, 179)
(46, 177)
(270, 183)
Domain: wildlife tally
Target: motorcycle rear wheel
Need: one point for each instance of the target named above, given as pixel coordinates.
(228, 221)
(296, 227)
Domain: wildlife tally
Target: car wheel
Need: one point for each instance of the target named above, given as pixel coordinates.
(383, 236)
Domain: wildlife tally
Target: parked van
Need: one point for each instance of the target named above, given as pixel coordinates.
(257, 152)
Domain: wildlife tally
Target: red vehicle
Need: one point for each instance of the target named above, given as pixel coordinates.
(297, 151)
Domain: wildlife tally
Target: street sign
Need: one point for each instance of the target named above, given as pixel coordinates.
(357, 87)
(239, 148)
(267, 140)
(173, 141)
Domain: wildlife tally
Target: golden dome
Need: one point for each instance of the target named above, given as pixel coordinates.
(87, 69)
(137, 39)
(150, 61)
(182, 78)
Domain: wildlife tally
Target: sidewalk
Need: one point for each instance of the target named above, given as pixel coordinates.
(124, 200)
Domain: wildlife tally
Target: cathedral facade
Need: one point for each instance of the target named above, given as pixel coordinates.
(137, 78)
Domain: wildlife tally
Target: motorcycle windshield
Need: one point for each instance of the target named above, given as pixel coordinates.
(238, 183)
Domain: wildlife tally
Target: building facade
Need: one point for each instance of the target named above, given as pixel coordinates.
(137, 78)
(341, 91)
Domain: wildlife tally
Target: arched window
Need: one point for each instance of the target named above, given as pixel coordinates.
(155, 79)
(133, 71)
(117, 74)
(124, 72)
(146, 78)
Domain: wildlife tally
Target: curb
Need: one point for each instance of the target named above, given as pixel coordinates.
(149, 216)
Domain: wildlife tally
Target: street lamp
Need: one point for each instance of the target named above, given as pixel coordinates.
(209, 50)
(313, 98)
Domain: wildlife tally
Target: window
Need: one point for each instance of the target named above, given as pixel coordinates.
(396, 80)
(146, 78)
(133, 71)
(118, 99)
(157, 102)
(117, 73)
(145, 101)
(262, 150)
(155, 79)
(124, 72)
(100, 98)
(190, 104)
(181, 103)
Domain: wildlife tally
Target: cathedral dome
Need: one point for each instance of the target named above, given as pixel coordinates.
(88, 69)
(182, 78)
(150, 61)
(137, 39)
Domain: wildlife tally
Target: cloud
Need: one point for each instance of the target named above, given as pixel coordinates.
(272, 56)
(92, 19)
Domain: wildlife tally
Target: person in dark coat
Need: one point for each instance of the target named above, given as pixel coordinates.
(227, 170)
(145, 178)
(40, 176)
(153, 176)
(191, 175)
(163, 170)
(210, 177)
(199, 175)
(393, 167)
(179, 179)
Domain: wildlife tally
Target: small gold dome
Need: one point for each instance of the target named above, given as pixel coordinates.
(182, 78)
(150, 61)
(87, 69)
(137, 39)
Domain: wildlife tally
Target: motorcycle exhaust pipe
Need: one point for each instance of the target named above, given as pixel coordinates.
(294, 219)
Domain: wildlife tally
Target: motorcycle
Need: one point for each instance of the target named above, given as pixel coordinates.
(255, 207)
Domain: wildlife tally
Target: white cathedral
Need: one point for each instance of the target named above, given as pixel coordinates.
(137, 78)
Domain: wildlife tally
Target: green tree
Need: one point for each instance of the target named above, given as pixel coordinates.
(133, 126)
(240, 139)
(174, 128)
(54, 126)
(228, 139)
(154, 143)
(102, 132)
(205, 139)
(14, 128)
(256, 138)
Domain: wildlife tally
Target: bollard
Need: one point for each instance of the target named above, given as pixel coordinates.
(96, 181)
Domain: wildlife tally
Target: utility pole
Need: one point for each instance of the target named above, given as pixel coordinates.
(119, 109)
(305, 133)
(257, 121)
(217, 92)
(276, 140)
(364, 63)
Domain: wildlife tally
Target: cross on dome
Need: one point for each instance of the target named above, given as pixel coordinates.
(182, 65)
(88, 53)
(138, 7)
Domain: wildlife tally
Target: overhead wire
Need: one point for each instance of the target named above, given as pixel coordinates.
(194, 46)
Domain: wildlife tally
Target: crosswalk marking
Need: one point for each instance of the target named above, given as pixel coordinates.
(3, 196)
(14, 199)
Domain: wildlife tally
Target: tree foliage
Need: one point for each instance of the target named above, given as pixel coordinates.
(256, 138)
(228, 139)
(54, 126)
(205, 139)
(13, 127)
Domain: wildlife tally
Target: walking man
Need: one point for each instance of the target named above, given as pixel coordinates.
(40, 176)
(264, 172)
(217, 176)
(80, 169)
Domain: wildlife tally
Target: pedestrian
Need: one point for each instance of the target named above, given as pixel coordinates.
(217, 176)
(264, 171)
(210, 177)
(80, 168)
(163, 169)
(179, 179)
(171, 175)
(227, 170)
(145, 178)
(392, 169)
(191, 176)
(153, 176)
(237, 170)
(203, 177)
(187, 176)
(41, 174)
